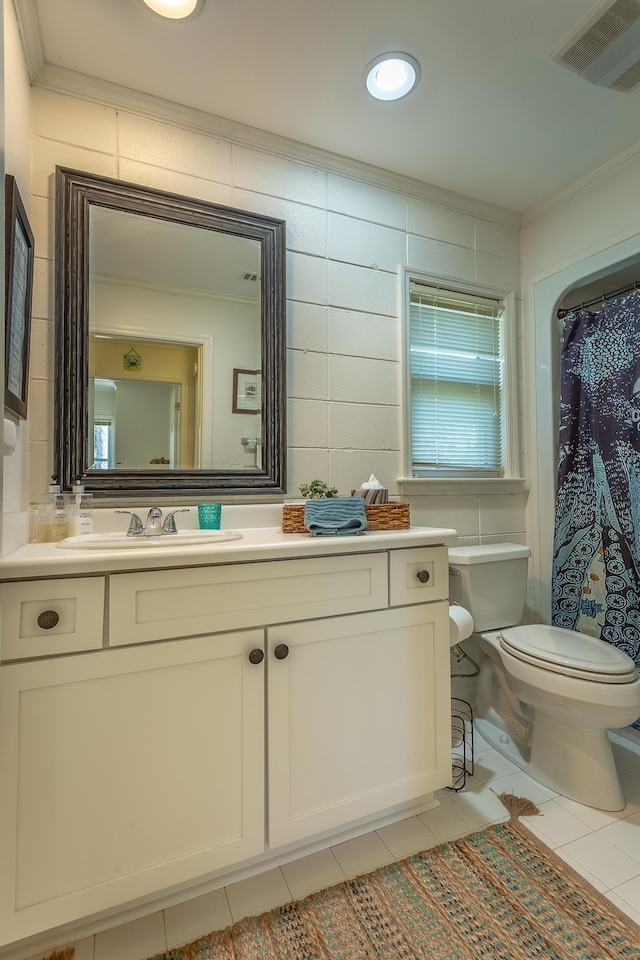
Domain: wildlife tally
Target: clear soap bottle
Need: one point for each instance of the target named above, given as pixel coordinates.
(82, 510)
(52, 520)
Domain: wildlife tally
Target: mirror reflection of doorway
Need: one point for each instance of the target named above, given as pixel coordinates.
(136, 425)
(145, 416)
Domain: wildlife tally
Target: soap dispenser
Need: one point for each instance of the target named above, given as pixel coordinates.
(82, 510)
(52, 520)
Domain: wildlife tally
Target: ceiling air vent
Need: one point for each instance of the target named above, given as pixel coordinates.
(249, 276)
(605, 47)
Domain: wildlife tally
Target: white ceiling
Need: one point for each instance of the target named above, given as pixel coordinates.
(493, 117)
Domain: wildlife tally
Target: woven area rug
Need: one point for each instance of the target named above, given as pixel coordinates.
(499, 894)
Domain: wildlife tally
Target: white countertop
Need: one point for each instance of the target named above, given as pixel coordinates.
(258, 543)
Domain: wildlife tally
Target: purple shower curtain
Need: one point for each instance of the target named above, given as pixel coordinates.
(596, 563)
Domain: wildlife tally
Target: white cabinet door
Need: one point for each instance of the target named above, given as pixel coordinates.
(125, 772)
(358, 717)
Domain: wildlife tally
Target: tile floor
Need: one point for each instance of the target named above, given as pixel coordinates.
(603, 847)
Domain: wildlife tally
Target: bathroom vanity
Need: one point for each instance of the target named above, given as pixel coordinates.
(172, 715)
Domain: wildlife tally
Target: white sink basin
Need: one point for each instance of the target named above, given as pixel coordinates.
(120, 541)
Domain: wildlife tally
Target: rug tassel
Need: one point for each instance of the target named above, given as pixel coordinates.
(65, 954)
(518, 806)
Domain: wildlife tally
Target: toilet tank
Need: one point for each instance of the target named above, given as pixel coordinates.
(491, 582)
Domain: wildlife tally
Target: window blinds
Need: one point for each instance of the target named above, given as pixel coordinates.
(457, 383)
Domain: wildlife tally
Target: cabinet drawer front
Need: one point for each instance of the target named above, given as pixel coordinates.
(43, 617)
(174, 603)
(418, 575)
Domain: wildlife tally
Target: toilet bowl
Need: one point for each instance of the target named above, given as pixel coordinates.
(546, 696)
(554, 723)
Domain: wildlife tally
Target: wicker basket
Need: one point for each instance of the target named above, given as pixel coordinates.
(380, 516)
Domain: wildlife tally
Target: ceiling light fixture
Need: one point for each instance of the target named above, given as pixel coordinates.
(391, 76)
(174, 9)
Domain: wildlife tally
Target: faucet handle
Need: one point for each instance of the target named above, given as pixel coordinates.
(136, 528)
(169, 525)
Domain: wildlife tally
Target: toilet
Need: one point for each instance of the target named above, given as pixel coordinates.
(546, 696)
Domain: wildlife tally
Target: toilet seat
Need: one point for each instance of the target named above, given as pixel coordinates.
(568, 652)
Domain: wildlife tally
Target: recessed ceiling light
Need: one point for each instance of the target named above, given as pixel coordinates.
(174, 9)
(391, 76)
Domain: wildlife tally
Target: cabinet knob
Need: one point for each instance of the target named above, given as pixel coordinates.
(48, 619)
(281, 652)
(256, 656)
(423, 576)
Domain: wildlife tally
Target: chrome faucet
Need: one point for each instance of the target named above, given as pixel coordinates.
(154, 524)
(154, 527)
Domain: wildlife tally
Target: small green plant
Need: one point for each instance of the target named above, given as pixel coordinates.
(317, 490)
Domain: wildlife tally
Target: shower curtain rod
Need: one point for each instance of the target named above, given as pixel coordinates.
(601, 299)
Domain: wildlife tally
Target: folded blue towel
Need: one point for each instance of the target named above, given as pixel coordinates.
(335, 516)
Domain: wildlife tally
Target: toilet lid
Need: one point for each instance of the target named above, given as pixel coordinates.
(569, 652)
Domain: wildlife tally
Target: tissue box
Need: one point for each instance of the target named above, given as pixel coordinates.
(380, 516)
(370, 496)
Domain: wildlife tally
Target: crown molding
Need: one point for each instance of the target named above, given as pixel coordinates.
(171, 290)
(75, 84)
(580, 184)
(29, 29)
(72, 83)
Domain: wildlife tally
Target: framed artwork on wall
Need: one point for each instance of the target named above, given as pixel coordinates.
(18, 293)
(246, 391)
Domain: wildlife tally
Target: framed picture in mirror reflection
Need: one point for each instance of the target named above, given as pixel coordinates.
(18, 292)
(246, 391)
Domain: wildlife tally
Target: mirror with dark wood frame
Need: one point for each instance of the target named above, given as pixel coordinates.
(170, 343)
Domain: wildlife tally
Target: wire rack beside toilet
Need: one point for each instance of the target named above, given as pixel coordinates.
(461, 743)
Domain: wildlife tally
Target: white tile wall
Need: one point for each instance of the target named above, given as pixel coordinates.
(345, 466)
(277, 177)
(307, 278)
(43, 286)
(41, 410)
(356, 241)
(307, 326)
(501, 515)
(360, 288)
(497, 271)
(363, 381)
(348, 430)
(67, 120)
(48, 154)
(308, 375)
(439, 223)
(445, 259)
(497, 239)
(438, 511)
(156, 144)
(42, 346)
(366, 202)
(149, 175)
(356, 334)
(308, 423)
(306, 225)
(42, 223)
(346, 243)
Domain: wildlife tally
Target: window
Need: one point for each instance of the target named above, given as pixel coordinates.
(459, 420)
(102, 445)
